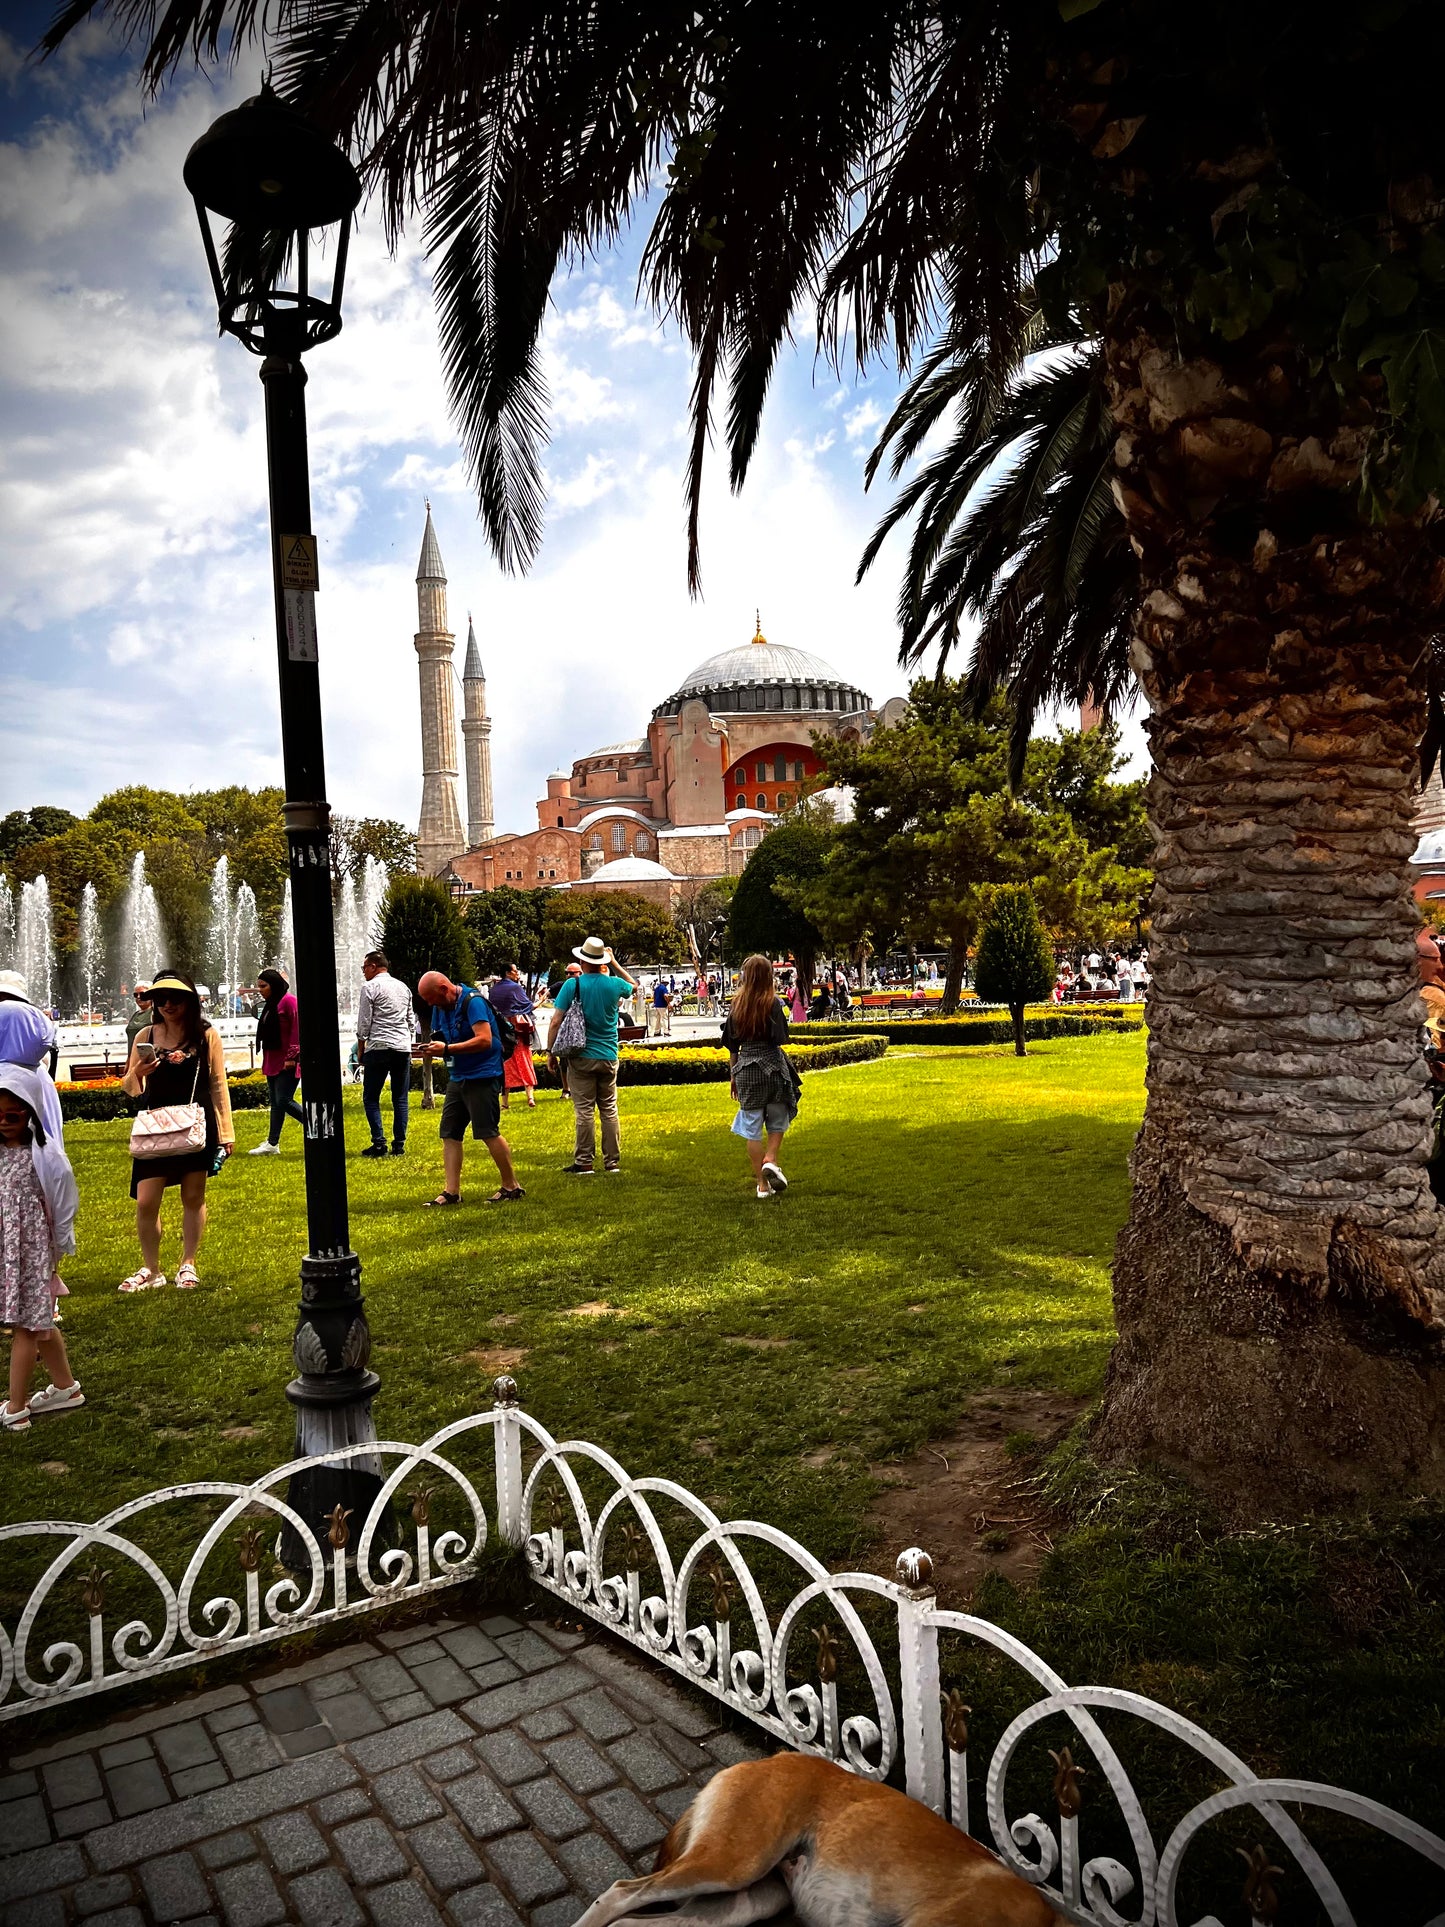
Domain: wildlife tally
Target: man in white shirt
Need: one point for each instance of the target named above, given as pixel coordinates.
(383, 1043)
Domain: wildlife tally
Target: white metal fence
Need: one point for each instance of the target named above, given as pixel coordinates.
(810, 1673)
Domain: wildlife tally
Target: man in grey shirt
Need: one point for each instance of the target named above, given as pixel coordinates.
(383, 1043)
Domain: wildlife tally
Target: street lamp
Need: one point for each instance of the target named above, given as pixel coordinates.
(277, 180)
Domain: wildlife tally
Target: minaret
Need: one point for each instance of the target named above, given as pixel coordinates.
(477, 735)
(439, 833)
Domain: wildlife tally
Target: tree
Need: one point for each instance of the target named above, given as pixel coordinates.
(1015, 963)
(355, 838)
(638, 930)
(505, 926)
(421, 930)
(22, 827)
(85, 853)
(701, 914)
(765, 915)
(147, 814)
(1245, 211)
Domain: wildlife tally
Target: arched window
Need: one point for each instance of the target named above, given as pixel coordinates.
(785, 802)
(760, 771)
(551, 873)
(775, 697)
(751, 837)
(642, 841)
(780, 769)
(560, 821)
(762, 801)
(797, 772)
(740, 802)
(619, 836)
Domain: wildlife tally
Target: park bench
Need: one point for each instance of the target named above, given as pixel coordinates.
(93, 1073)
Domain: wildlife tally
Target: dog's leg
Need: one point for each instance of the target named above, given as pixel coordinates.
(763, 1901)
(703, 1901)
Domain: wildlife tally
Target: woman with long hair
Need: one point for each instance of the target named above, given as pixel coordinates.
(763, 1081)
(177, 1059)
(279, 1035)
(509, 995)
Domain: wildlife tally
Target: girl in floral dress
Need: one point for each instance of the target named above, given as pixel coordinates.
(37, 1229)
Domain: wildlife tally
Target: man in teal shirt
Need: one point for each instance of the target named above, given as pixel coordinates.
(592, 1078)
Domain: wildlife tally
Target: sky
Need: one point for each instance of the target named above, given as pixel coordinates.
(135, 595)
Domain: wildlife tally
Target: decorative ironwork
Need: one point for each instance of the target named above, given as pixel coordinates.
(737, 1647)
(339, 1531)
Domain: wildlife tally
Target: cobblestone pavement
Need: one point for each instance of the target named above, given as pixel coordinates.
(487, 1775)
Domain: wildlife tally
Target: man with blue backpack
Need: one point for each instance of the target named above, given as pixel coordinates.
(473, 1041)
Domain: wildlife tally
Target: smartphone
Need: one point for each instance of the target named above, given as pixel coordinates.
(146, 1052)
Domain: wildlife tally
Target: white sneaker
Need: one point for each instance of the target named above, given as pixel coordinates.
(265, 1149)
(765, 1191)
(52, 1399)
(774, 1176)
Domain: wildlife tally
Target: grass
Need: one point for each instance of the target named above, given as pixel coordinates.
(949, 1227)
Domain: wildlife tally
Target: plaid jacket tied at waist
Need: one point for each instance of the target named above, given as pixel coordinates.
(762, 1075)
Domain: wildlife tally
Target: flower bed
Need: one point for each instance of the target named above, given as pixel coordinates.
(699, 1064)
(95, 1103)
(983, 1029)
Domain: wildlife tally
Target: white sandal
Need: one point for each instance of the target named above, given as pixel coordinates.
(186, 1278)
(143, 1280)
(14, 1421)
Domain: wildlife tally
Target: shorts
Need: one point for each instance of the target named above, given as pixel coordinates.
(755, 1125)
(474, 1100)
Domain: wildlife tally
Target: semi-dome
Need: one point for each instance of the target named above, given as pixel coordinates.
(630, 869)
(765, 675)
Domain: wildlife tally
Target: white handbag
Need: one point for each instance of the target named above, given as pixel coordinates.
(170, 1130)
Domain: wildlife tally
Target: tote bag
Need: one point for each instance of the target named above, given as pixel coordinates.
(571, 1038)
(171, 1130)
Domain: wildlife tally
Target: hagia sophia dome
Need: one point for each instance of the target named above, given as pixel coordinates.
(765, 675)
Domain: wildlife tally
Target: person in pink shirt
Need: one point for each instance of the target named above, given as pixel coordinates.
(278, 1032)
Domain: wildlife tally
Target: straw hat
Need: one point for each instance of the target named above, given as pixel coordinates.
(594, 951)
(12, 984)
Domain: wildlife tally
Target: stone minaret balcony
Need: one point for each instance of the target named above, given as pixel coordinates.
(439, 833)
(477, 734)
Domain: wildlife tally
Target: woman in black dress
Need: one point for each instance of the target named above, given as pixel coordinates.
(177, 1059)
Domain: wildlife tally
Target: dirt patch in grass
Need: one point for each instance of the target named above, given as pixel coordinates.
(760, 1344)
(243, 1431)
(497, 1358)
(969, 1498)
(594, 1308)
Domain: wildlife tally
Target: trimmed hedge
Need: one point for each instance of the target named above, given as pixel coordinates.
(104, 1099)
(972, 1030)
(696, 1064)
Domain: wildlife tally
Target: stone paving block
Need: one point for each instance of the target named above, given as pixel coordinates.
(188, 1744)
(250, 1749)
(583, 1768)
(137, 1788)
(470, 1646)
(483, 1807)
(506, 1704)
(342, 1806)
(71, 1821)
(496, 1672)
(423, 1649)
(599, 1716)
(546, 1724)
(106, 1890)
(238, 1805)
(351, 1716)
(293, 1843)
(413, 1635)
(314, 1739)
(409, 1706)
(629, 1822)
(13, 1785)
(483, 1907)
(68, 1782)
(231, 1717)
(229, 1849)
(175, 1887)
(248, 1896)
(662, 1701)
(524, 1649)
(401, 1744)
(450, 1764)
(730, 1748)
(592, 1864)
(675, 1801)
(500, 1623)
(510, 1758)
(23, 1874)
(551, 1809)
(24, 1824)
(323, 1900)
(119, 1917)
(557, 1913)
(328, 1686)
(526, 1868)
(402, 1905)
(442, 1680)
(124, 1752)
(150, 1721)
(370, 1852)
(336, 1661)
(446, 1859)
(288, 1710)
(45, 1910)
(564, 1641)
(646, 1765)
(407, 1798)
(384, 1678)
(198, 1779)
(688, 1754)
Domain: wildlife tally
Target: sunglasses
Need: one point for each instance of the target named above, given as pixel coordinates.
(169, 997)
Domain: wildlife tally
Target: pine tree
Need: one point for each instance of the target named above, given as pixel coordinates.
(421, 930)
(1015, 964)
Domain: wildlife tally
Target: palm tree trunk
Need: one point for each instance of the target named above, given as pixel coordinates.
(1278, 1286)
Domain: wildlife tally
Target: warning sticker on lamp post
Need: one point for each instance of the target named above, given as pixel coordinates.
(298, 562)
(300, 625)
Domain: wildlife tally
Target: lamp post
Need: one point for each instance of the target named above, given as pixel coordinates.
(277, 179)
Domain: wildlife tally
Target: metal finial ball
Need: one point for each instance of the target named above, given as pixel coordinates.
(504, 1390)
(914, 1567)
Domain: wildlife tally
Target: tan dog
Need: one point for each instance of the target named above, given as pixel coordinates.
(847, 1852)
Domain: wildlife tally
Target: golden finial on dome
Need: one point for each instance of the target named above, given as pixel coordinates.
(758, 635)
